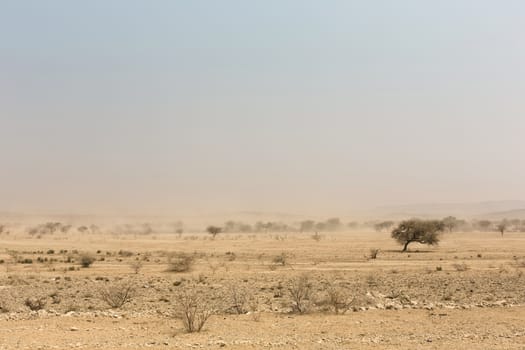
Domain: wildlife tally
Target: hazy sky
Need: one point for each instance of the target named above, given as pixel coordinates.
(295, 106)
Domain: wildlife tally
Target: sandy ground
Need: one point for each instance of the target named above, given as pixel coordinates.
(466, 293)
(502, 328)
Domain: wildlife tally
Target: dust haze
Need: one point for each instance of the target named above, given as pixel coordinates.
(261, 175)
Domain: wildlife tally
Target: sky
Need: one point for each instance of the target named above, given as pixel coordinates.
(313, 107)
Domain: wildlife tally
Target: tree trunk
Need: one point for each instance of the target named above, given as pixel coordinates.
(405, 246)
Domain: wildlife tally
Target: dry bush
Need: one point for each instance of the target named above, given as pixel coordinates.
(372, 280)
(448, 296)
(86, 260)
(237, 299)
(338, 298)
(14, 255)
(180, 262)
(231, 256)
(253, 305)
(214, 267)
(300, 290)
(125, 253)
(4, 307)
(55, 297)
(136, 266)
(36, 303)
(316, 237)
(193, 309)
(373, 253)
(281, 259)
(118, 294)
(519, 262)
(460, 267)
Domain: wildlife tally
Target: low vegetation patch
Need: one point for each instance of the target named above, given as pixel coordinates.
(180, 262)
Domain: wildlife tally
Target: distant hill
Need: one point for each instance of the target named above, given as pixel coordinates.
(509, 214)
(511, 209)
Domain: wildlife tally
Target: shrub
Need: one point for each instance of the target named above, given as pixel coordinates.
(118, 294)
(180, 262)
(338, 298)
(281, 259)
(300, 290)
(519, 262)
(86, 260)
(125, 253)
(237, 296)
(460, 267)
(373, 253)
(253, 305)
(316, 237)
(35, 303)
(231, 256)
(4, 308)
(193, 309)
(136, 266)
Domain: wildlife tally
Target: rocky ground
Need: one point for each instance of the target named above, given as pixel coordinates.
(311, 295)
(487, 328)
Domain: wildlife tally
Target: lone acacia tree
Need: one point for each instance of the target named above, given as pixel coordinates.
(421, 231)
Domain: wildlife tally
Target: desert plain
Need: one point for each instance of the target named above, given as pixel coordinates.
(262, 291)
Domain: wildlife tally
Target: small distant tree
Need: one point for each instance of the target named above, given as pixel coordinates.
(307, 226)
(230, 226)
(94, 229)
(352, 225)
(65, 228)
(450, 223)
(484, 225)
(178, 226)
(333, 224)
(502, 227)
(385, 225)
(214, 230)
(146, 229)
(421, 231)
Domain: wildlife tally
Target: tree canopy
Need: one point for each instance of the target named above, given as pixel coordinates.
(421, 231)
